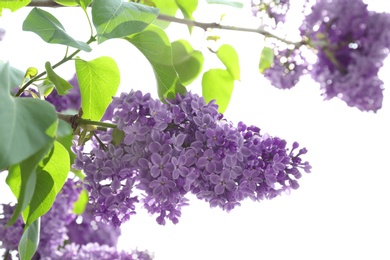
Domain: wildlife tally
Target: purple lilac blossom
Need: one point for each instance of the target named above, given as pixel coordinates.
(9, 236)
(183, 146)
(61, 238)
(357, 42)
(54, 222)
(288, 67)
(84, 229)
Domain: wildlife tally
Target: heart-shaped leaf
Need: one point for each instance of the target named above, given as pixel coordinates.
(27, 124)
(218, 84)
(50, 29)
(229, 57)
(118, 19)
(99, 81)
(155, 45)
(188, 62)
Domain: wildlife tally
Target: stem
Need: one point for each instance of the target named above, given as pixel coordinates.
(206, 26)
(188, 22)
(65, 59)
(75, 121)
(83, 121)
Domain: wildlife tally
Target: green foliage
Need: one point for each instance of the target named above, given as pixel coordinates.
(50, 29)
(229, 57)
(118, 19)
(218, 84)
(266, 59)
(28, 244)
(226, 2)
(27, 124)
(187, 61)
(14, 76)
(155, 45)
(22, 179)
(99, 81)
(187, 7)
(12, 4)
(51, 176)
(62, 86)
(168, 7)
(81, 203)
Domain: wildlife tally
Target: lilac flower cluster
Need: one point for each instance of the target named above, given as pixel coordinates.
(288, 67)
(182, 146)
(63, 235)
(9, 236)
(275, 9)
(357, 42)
(350, 43)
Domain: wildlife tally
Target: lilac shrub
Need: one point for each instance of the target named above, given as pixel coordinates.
(182, 146)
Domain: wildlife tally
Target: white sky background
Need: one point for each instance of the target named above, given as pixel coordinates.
(339, 212)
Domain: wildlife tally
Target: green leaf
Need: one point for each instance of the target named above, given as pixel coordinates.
(22, 179)
(51, 176)
(168, 7)
(13, 5)
(45, 88)
(266, 59)
(226, 2)
(155, 45)
(188, 62)
(229, 57)
(218, 84)
(14, 78)
(84, 3)
(28, 244)
(117, 19)
(81, 203)
(50, 29)
(99, 81)
(187, 7)
(66, 2)
(62, 85)
(27, 124)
